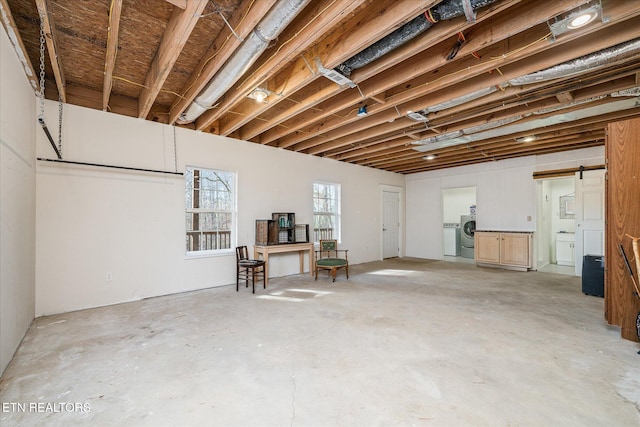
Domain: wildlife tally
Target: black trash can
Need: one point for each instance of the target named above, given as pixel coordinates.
(593, 275)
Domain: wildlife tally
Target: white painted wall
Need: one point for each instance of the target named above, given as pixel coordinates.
(506, 196)
(93, 221)
(457, 202)
(17, 202)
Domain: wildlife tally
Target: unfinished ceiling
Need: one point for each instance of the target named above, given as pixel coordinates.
(399, 85)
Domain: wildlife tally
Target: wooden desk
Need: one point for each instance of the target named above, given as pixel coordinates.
(301, 248)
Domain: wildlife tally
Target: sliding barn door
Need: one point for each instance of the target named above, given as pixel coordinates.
(589, 210)
(623, 219)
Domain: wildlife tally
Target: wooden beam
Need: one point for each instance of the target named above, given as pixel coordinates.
(112, 50)
(182, 4)
(564, 97)
(177, 33)
(21, 51)
(244, 20)
(533, 58)
(529, 16)
(375, 21)
(319, 18)
(50, 38)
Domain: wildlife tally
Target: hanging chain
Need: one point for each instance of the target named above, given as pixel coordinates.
(175, 150)
(42, 65)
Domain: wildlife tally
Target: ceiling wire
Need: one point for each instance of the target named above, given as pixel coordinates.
(146, 87)
(218, 10)
(217, 51)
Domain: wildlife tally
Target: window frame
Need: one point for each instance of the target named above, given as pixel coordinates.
(206, 253)
(337, 215)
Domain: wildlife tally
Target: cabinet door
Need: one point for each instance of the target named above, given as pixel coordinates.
(564, 252)
(487, 247)
(514, 249)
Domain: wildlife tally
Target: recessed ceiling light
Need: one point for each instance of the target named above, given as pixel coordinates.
(577, 19)
(430, 157)
(528, 138)
(582, 19)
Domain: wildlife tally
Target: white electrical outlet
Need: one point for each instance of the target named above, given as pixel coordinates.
(109, 276)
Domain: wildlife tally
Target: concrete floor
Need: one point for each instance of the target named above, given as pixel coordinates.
(404, 342)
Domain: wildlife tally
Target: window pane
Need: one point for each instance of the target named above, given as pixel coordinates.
(326, 206)
(210, 209)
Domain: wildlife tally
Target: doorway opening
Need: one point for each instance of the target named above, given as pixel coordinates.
(459, 219)
(556, 226)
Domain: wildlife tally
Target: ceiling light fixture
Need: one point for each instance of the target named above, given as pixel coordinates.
(362, 111)
(528, 138)
(260, 94)
(575, 20)
(430, 157)
(582, 19)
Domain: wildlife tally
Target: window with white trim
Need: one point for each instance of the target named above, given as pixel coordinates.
(210, 198)
(326, 211)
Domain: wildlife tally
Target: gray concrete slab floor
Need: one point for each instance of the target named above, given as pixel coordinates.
(403, 342)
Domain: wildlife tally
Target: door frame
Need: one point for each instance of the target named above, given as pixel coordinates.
(400, 191)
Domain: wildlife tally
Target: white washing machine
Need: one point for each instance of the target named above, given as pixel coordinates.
(451, 239)
(467, 236)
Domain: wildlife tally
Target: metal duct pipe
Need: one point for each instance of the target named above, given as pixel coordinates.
(587, 62)
(460, 100)
(269, 28)
(569, 68)
(446, 10)
(434, 143)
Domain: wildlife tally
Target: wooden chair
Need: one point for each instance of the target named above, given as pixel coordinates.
(249, 269)
(327, 258)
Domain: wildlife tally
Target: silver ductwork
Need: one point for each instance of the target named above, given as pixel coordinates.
(441, 141)
(448, 9)
(579, 65)
(460, 100)
(255, 44)
(568, 105)
(634, 91)
(569, 68)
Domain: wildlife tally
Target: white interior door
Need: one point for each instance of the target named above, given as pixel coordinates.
(589, 211)
(390, 224)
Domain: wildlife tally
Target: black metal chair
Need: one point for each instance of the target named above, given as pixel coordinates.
(249, 269)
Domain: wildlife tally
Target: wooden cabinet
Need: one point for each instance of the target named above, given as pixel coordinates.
(281, 229)
(487, 247)
(504, 249)
(565, 249)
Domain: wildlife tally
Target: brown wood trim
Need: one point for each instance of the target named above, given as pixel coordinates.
(564, 172)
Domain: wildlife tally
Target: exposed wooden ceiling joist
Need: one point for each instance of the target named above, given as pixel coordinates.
(175, 37)
(112, 50)
(49, 34)
(152, 59)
